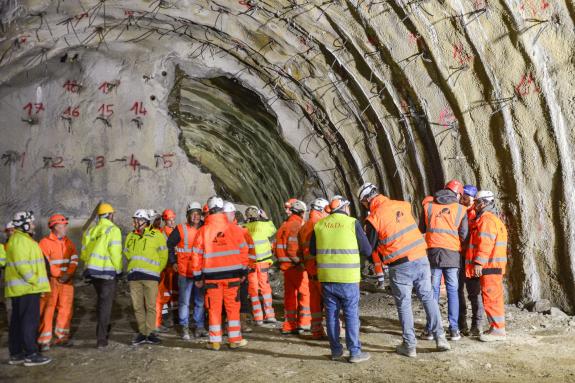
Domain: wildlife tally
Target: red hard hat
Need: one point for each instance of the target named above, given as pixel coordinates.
(56, 219)
(289, 202)
(206, 209)
(168, 214)
(455, 186)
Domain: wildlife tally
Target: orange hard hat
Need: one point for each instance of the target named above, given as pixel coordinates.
(206, 209)
(455, 186)
(168, 214)
(289, 202)
(56, 219)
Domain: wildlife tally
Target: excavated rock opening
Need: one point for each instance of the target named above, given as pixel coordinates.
(405, 93)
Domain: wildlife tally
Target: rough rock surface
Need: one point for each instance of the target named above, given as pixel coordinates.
(151, 103)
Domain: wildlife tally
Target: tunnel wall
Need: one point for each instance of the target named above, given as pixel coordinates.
(407, 94)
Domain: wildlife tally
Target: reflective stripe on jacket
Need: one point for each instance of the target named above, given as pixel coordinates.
(25, 271)
(442, 225)
(184, 249)
(304, 237)
(287, 242)
(220, 250)
(61, 255)
(488, 245)
(337, 250)
(102, 250)
(397, 231)
(261, 232)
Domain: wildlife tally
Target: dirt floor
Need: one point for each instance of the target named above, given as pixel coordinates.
(540, 348)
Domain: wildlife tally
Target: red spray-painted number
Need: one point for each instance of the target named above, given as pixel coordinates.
(138, 108)
(106, 110)
(134, 163)
(72, 111)
(37, 107)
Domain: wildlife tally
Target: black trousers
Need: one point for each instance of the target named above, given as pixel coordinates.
(106, 291)
(24, 325)
(246, 307)
(473, 287)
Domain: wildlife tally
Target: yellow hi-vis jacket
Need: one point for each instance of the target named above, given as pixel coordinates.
(25, 267)
(102, 250)
(147, 254)
(2, 256)
(261, 232)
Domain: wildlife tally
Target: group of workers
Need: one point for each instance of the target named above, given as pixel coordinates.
(220, 260)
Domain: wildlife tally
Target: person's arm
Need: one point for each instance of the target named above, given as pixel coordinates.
(371, 235)
(115, 249)
(464, 230)
(197, 260)
(2, 256)
(162, 250)
(73, 258)
(486, 238)
(23, 261)
(172, 242)
(364, 245)
(373, 239)
(84, 255)
(292, 248)
(422, 224)
(312, 245)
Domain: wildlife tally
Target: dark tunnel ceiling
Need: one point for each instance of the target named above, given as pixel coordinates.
(228, 132)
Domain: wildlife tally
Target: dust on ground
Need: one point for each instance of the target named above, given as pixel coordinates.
(539, 348)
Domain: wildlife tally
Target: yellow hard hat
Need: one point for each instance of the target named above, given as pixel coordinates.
(105, 208)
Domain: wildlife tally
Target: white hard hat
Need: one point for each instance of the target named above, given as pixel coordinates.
(23, 218)
(486, 195)
(9, 225)
(142, 214)
(194, 206)
(298, 206)
(215, 202)
(319, 204)
(229, 207)
(366, 190)
(153, 214)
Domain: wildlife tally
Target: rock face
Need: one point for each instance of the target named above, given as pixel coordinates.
(153, 103)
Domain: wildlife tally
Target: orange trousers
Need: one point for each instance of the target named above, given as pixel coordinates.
(259, 284)
(224, 292)
(315, 304)
(296, 299)
(167, 293)
(494, 302)
(61, 298)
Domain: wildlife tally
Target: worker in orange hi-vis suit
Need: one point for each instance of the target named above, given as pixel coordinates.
(488, 262)
(316, 213)
(168, 286)
(61, 255)
(297, 311)
(220, 263)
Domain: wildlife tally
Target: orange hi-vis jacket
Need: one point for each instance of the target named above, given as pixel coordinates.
(304, 236)
(398, 234)
(488, 245)
(184, 249)
(252, 257)
(61, 254)
(167, 231)
(220, 250)
(442, 225)
(287, 246)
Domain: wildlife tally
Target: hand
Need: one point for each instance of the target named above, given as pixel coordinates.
(64, 278)
(199, 284)
(242, 279)
(477, 270)
(175, 267)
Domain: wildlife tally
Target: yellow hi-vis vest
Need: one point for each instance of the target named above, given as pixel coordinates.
(261, 231)
(25, 267)
(2, 255)
(102, 250)
(147, 254)
(337, 251)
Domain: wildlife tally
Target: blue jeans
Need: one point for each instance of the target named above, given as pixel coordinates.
(452, 285)
(187, 288)
(338, 296)
(403, 278)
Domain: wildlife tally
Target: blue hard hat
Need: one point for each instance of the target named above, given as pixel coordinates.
(470, 190)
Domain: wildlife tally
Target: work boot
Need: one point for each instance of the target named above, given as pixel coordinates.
(362, 357)
(270, 320)
(244, 318)
(139, 339)
(45, 347)
(426, 335)
(405, 350)
(475, 332)
(380, 285)
(36, 360)
(153, 339)
(16, 360)
(241, 343)
(464, 331)
(442, 344)
(489, 337)
(337, 356)
(215, 346)
(201, 333)
(186, 333)
(259, 323)
(289, 332)
(454, 335)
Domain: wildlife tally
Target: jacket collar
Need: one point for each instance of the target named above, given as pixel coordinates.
(376, 202)
(217, 218)
(53, 237)
(315, 215)
(295, 217)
